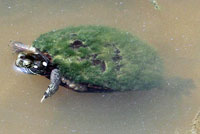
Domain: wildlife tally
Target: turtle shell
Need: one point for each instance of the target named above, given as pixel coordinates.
(103, 56)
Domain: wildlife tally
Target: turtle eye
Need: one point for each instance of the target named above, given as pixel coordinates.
(21, 56)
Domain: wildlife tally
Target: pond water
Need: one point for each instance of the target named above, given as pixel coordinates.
(173, 30)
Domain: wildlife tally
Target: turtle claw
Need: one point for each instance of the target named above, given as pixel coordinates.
(43, 99)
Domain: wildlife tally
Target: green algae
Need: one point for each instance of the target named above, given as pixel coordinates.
(103, 56)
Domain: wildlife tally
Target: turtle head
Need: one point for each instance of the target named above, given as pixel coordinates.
(27, 63)
(30, 60)
(22, 61)
(23, 64)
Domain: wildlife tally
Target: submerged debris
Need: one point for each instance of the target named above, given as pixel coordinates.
(196, 124)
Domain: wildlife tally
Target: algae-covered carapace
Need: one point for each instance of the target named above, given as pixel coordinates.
(95, 57)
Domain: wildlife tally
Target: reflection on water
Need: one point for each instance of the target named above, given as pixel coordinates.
(170, 110)
(177, 86)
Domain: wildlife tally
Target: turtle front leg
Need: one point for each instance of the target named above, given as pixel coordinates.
(54, 85)
(19, 47)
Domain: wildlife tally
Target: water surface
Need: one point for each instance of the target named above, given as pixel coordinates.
(173, 30)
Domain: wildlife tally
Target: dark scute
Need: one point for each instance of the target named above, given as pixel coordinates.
(102, 64)
(116, 58)
(76, 44)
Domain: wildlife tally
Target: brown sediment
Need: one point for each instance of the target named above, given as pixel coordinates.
(196, 124)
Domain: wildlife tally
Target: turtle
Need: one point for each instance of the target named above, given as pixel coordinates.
(90, 58)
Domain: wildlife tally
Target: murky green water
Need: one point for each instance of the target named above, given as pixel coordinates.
(173, 30)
